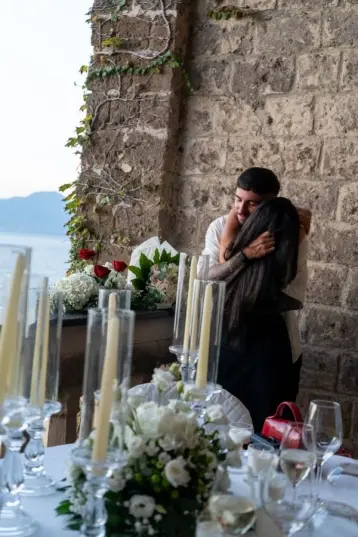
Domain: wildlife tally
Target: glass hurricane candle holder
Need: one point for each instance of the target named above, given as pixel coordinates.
(123, 298)
(97, 334)
(190, 268)
(14, 281)
(43, 389)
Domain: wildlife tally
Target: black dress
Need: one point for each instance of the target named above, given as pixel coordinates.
(258, 368)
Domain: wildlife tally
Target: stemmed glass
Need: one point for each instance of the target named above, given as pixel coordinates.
(277, 503)
(298, 454)
(326, 418)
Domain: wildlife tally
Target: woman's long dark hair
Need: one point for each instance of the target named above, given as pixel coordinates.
(263, 279)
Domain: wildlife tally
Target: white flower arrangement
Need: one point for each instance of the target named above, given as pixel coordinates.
(79, 290)
(171, 468)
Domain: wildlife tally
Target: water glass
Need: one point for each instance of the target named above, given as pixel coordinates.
(326, 419)
(260, 458)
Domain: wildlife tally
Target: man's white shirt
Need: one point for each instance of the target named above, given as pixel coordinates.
(296, 289)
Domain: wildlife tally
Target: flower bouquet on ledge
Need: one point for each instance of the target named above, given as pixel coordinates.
(80, 289)
(166, 482)
(155, 281)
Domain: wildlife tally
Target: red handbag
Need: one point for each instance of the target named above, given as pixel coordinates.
(275, 425)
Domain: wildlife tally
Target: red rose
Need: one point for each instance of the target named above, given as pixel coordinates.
(101, 271)
(119, 266)
(86, 253)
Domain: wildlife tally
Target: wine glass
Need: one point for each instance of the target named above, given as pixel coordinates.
(326, 419)
(276, 501)
(298, 453)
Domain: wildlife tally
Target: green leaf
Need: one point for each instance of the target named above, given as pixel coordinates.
(139, 285)
(66, 186)
(156, 258)
(136, 271)
(176, 259)
(63, 508)
(83, 69)
(145, 262)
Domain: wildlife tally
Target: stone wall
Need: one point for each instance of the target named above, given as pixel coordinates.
(277, 88)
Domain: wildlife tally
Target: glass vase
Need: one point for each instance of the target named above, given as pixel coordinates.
(97, 332)
(43, 390)
(123, 298)
(190, 268)
(15, 368)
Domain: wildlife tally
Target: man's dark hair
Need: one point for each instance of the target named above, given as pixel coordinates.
(261, 181)
(262, 280)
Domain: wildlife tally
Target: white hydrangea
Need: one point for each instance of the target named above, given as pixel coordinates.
(78, 289)
(216, 414)
(115, 280)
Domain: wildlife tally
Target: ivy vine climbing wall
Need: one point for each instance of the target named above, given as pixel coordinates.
(126, 138)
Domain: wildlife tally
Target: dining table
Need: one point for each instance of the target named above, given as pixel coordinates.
(344, 489)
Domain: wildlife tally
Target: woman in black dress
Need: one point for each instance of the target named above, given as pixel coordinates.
(256, 359)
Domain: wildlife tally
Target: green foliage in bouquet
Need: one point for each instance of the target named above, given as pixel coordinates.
(143, 272)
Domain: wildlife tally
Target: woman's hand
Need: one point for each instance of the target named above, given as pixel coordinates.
(263, 245)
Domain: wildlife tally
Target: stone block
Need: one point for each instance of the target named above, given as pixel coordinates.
(155, 113)
(306, 4)
(289, 116)
(284, 33)
(259, 5)
(320, 198)
(243, 153)
(325, 283)
(124, 114)
(334, 243)
(349, 70)
(350, 295)
(222, 37)
(263, 74)
(210, 77)
(340, 158)
(183, 229)
(319, 369)
(300, 156)
(203, 155)
(329, 327)
(348, 374)
(198, 118)
(236, 117)
(340, 27)
(205, 193)
(337, 115)
(318, 70)
(348, 204)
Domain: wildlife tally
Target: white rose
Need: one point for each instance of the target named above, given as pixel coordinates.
(178, 405)
(89, 270)
(168, 444)
(148, 416)
(162, 379)
(215, 414)
(176, 473)
(141, 506)
(151, 449)
(108, 265)
(136, 446)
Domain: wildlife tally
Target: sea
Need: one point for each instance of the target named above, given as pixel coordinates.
(50, 253)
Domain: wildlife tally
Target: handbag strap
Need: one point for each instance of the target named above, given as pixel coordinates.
(294, 409)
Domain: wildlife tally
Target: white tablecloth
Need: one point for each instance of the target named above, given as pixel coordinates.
(43, 509)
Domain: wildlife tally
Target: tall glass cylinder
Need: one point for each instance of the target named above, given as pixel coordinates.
(44, 345)
(190, 268)
(123, 298)
(14, 280)
(96, 344)
(205, 340)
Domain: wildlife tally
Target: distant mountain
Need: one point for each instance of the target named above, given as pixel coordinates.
(41, 212)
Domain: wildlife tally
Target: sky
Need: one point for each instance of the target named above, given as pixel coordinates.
(43, 44)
